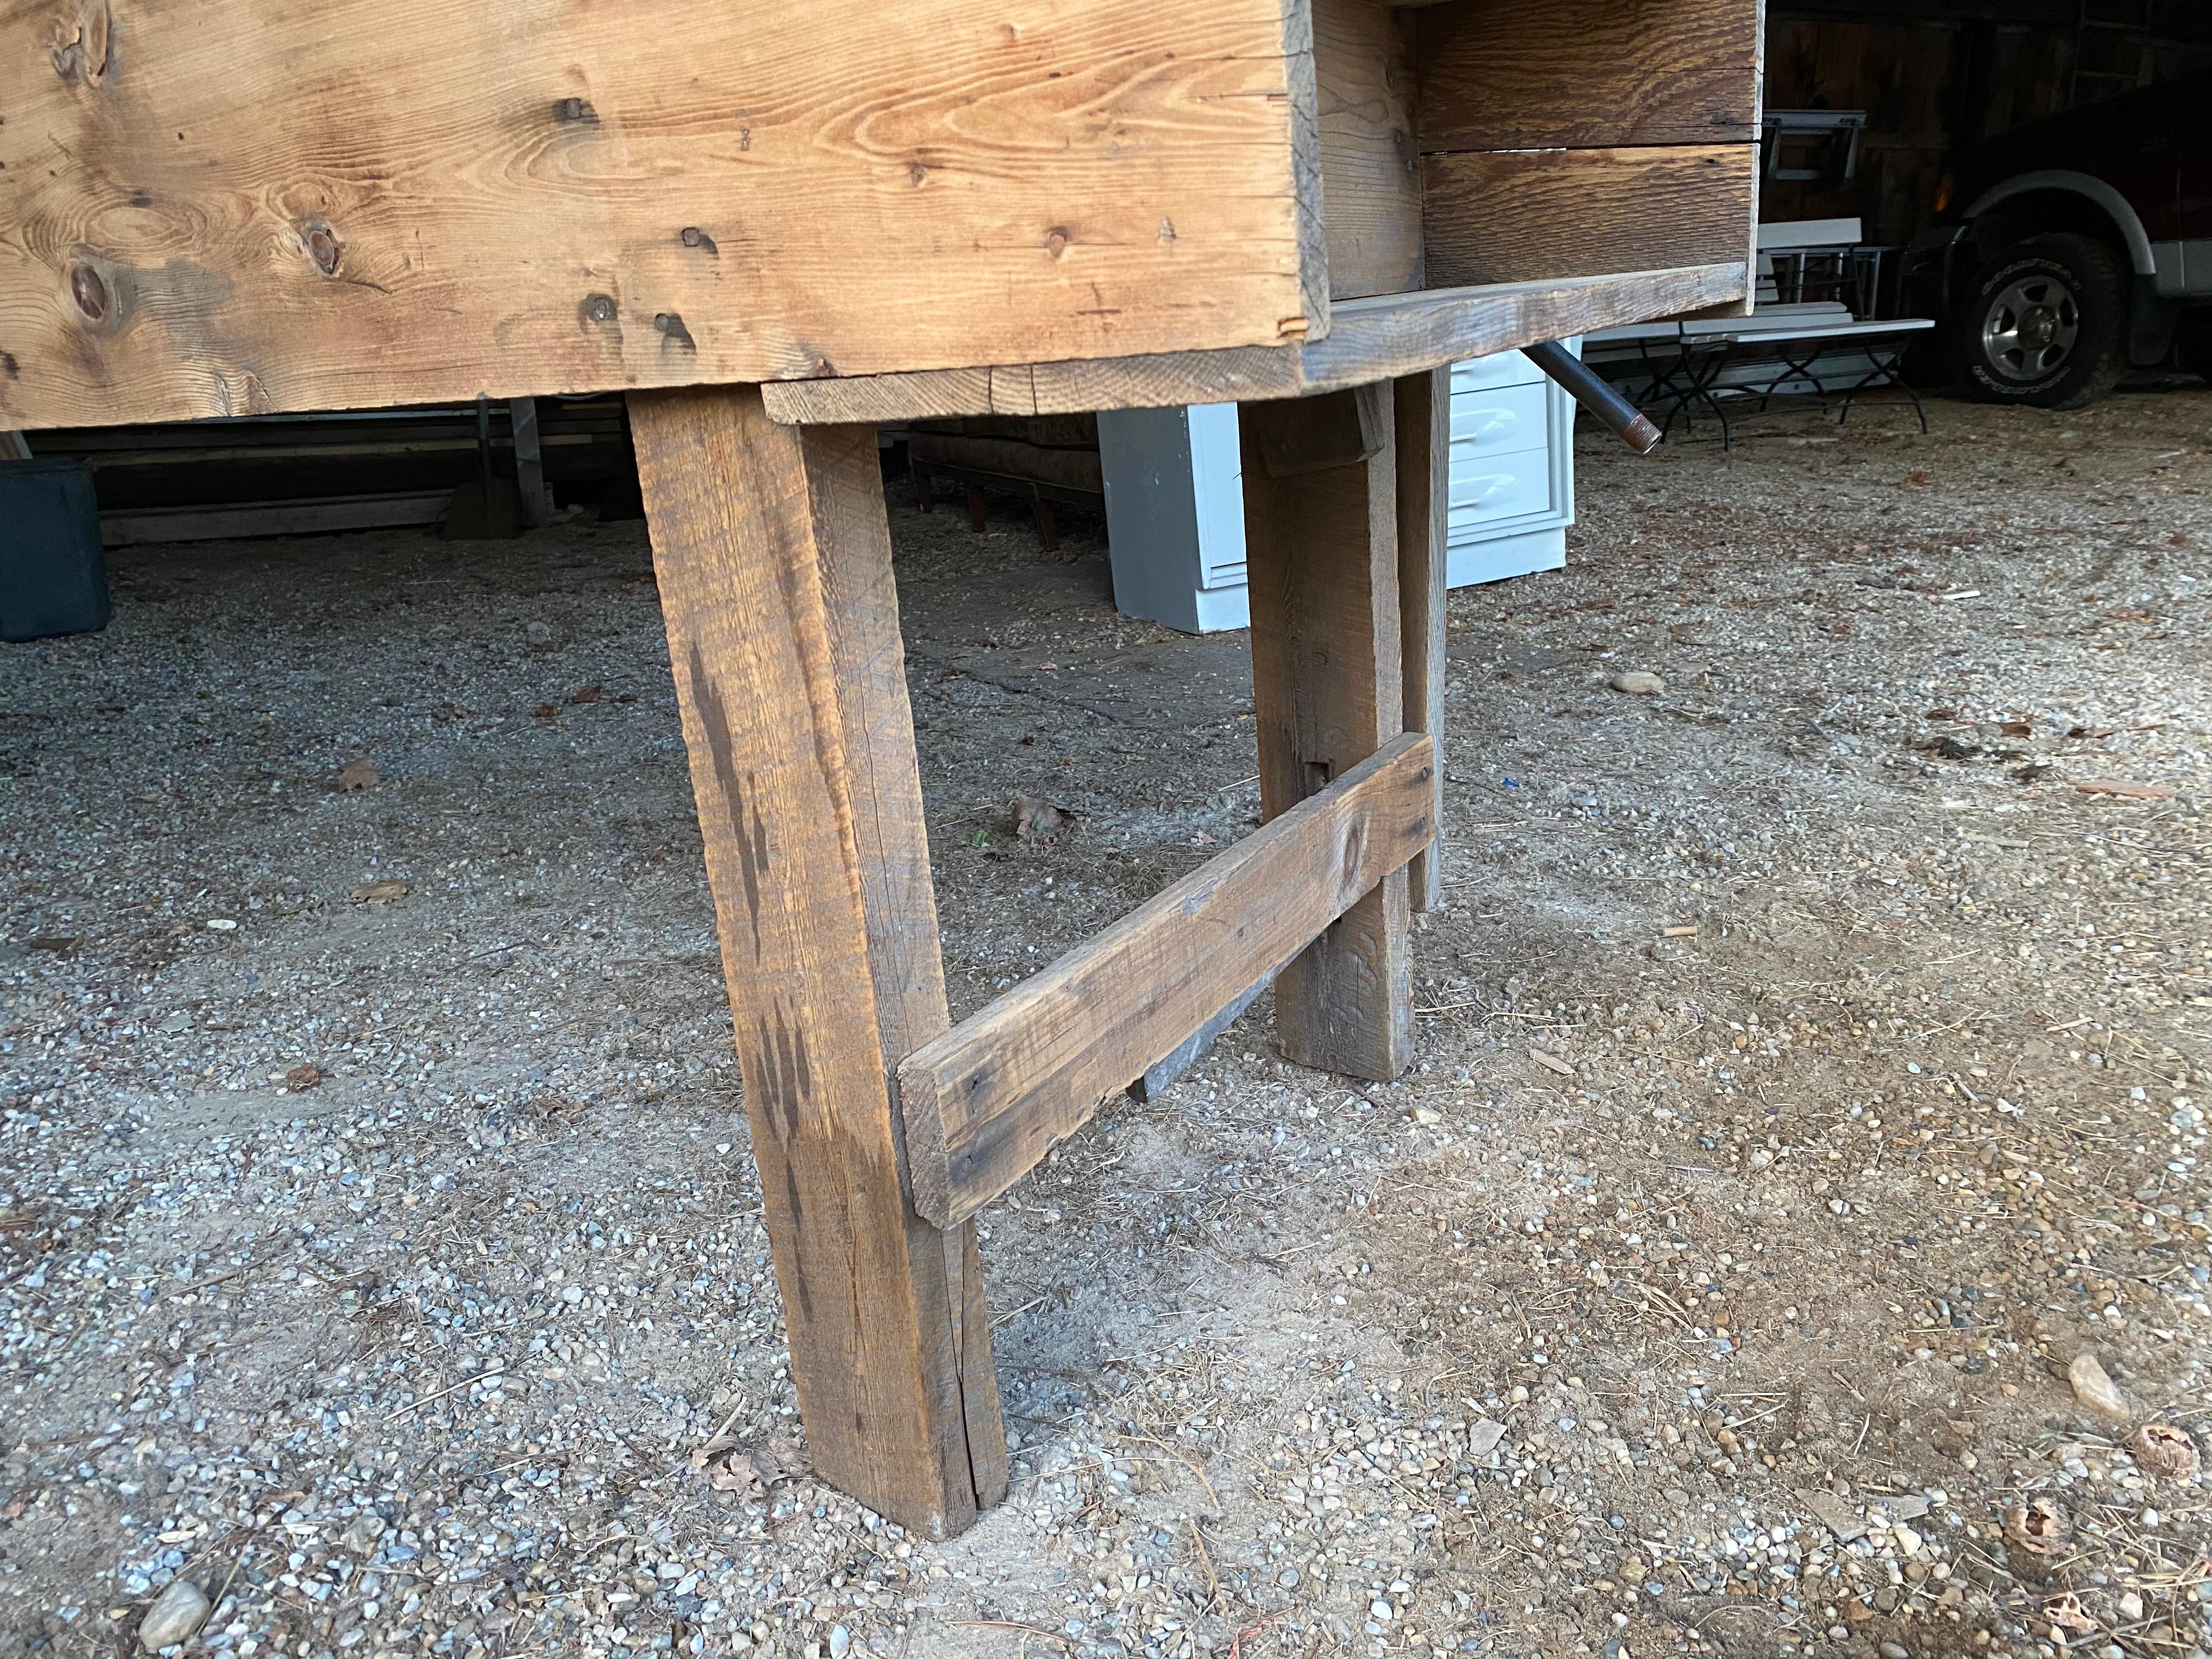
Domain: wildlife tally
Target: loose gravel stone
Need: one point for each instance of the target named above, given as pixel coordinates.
(176, 1612)
(2094, 1389)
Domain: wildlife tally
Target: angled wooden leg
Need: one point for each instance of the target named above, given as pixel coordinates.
(1422, 427)
(1321, 565)
(773, 553)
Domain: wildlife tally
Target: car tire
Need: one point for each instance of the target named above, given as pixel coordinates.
(2046, 326)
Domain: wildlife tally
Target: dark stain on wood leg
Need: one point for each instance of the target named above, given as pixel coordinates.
(751, 841)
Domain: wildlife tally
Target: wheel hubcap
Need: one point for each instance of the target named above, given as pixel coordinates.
(2029, 328)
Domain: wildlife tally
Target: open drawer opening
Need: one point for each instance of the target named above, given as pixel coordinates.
(1506, 141)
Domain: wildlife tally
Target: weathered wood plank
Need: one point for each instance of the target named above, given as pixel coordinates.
(985, 1102)
(1371, 168)
(1587, 73)
(773, 561)
(1321, 574)
(1369, 340)
(246, 205)
(1520, 215)
(1422, 423)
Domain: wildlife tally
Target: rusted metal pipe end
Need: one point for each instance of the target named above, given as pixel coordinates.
(1595, 394)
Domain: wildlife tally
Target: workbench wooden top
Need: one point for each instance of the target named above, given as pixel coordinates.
(248, 206)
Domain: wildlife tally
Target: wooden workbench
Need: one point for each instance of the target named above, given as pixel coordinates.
(776, 224)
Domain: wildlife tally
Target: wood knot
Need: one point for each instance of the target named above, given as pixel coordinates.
(81, 52)
(598, 308)
(89, 289)
(1056, 240)
(576, 110)
(322, 247)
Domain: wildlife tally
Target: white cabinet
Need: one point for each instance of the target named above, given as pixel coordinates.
(1174, 514)
(1175, 509)
(1512, 472)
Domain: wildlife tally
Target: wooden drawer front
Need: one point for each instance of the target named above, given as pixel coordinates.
(1501, 368)
(1500, 421)
(1500, 487)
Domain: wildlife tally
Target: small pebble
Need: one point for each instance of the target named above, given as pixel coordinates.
(1637, 683)
(2094, 1389)
(176, 1612)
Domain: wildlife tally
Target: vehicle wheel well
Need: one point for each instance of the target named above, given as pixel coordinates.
(2033, 212)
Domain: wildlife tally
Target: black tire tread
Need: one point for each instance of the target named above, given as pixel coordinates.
(2100, 275)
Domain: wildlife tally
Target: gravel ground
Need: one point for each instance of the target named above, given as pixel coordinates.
(379, 1240)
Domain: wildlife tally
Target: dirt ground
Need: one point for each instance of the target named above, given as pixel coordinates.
(1870, 964)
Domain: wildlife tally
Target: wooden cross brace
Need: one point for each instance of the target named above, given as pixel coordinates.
(879, 1128)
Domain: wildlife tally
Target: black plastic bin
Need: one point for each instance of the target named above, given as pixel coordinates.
(53, 577)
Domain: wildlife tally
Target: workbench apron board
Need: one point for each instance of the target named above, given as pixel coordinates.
(776, 224)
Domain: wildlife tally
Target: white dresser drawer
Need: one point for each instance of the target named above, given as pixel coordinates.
(1501, 368)
(1499, 420)
(1502, 487)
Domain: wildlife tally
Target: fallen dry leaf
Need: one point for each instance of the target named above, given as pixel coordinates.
(303, 1077)
(1036, 819)
(2016, 728)
(734, 1474)
(2067, 1609)
(756, 1473)
(591, 694)
(545, 711)
(2119, 787)
(780, 1458)
(356, 776)
(713, 1451)
(1551, 1062)
(380, 892)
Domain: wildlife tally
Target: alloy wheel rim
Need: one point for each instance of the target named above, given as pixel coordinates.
(2029, 328)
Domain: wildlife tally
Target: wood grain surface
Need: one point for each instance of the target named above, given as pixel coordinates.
(1422, 425)
(987, 1100)
(773, 559)
(1369, 166)
(1588, 74)
(1369, 340)
(1321, 574)
(1526, 216)
(242, 206)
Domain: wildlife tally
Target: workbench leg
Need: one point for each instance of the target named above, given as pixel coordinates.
(1322, 568)
(529, 462)
(1422, 425)
(773, 554)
